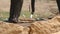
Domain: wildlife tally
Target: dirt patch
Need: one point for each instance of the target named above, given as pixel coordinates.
(39, 27)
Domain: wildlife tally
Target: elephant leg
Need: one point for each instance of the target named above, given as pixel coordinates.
(15, 9)
(32, 7)
(58, 4)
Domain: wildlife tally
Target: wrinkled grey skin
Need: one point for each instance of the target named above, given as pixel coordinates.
(15, 9)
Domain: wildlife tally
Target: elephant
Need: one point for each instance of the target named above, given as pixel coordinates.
(16, 6)
(15, 10)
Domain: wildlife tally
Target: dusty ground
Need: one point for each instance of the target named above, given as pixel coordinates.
(39, 27)
(43, 8)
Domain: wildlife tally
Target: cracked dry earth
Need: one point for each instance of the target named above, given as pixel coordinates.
(38, 27)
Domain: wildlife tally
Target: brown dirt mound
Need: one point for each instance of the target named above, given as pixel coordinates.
(46, 27)
(39, 27)
(10, 28)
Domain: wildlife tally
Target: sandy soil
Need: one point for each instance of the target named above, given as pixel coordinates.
(41, 7)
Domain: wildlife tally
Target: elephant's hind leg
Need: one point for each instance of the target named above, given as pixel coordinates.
(15, 9)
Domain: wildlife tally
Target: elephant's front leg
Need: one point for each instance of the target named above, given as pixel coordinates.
(58, 4)
(32, 7)
(15, 9)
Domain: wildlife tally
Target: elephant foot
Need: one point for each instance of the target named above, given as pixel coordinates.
(12, 20)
